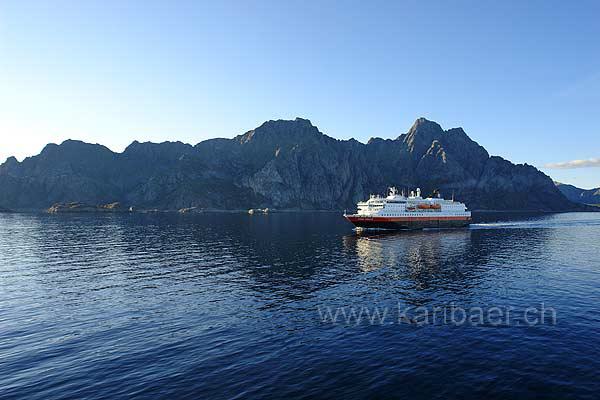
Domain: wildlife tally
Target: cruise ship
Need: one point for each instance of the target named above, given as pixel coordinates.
(397, 211)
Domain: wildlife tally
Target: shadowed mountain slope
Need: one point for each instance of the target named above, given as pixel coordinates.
(577, 195)
(281, 164)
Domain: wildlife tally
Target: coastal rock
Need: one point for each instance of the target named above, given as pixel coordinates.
(188, 210)
(77, 207)
(258, 211)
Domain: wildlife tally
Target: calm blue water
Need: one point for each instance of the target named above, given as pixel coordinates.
(231, 306)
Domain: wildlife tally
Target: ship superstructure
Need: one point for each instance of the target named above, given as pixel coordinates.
(397, 211)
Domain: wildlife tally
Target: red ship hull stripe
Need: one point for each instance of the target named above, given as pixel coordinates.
(406, 219)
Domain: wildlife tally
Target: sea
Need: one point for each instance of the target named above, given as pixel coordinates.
(297, 306)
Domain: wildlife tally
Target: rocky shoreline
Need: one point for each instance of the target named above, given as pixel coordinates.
(77, 207)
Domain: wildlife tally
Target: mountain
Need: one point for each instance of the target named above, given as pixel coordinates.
(281, 164)
(577, 195)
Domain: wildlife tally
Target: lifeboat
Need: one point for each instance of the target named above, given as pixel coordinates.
(436, 206)
(423, 206)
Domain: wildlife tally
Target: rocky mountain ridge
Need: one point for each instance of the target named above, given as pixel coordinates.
(283, 164)
(578, 195)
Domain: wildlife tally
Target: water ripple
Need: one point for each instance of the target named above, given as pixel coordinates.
(227, 306)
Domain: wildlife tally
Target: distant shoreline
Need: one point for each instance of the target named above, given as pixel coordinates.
(591, 209)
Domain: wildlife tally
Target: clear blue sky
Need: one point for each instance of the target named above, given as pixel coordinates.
(522, 78)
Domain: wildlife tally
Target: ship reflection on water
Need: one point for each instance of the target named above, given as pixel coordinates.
(459, 261)
(422, 250)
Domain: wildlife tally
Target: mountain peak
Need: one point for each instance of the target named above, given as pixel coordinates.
(10, 163)
(12, 160)
(424, 123)
(74, 142)
(420, 136)
(74, 145)
(303, 121)
(275, 130)
(287, 123)
(135, 145)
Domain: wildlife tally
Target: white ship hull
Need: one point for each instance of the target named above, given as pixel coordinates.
(412, 212)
